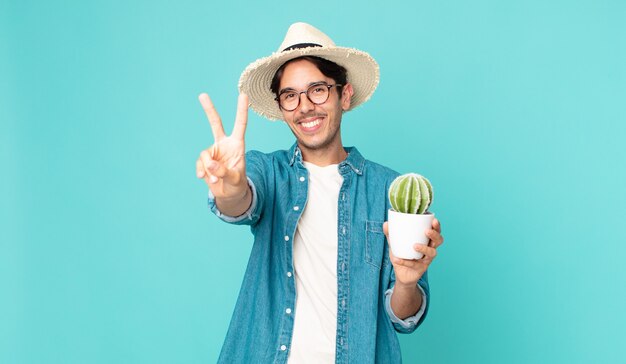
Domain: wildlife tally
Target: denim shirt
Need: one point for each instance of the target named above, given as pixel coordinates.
(261, 326)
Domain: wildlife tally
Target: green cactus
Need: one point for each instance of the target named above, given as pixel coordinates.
(411, 194)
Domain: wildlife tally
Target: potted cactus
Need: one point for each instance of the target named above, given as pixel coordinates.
(410, 196)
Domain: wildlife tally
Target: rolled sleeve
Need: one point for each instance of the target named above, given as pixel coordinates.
(409, 324)
(247, 218)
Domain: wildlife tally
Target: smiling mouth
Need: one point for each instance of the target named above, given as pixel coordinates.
(312, 123)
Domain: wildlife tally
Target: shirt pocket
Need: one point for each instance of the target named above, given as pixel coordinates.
(374, 243)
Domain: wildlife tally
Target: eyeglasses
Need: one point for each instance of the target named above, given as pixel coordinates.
(317, 93)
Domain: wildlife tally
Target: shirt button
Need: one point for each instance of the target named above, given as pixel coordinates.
(296, 208)
(286, 238)
(288, 274)
(283, 347)
(343, 303)
(301, 179)
(288, 311)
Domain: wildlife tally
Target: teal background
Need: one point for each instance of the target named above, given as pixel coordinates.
(514, 109)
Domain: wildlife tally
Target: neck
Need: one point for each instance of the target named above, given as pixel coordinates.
(324, 156)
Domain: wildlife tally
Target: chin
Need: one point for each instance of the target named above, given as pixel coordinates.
(315, 145)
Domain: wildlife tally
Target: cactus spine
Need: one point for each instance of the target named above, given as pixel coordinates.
(410, 194)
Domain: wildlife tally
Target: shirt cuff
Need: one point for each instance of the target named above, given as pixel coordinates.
(409, 322)
(235, 219)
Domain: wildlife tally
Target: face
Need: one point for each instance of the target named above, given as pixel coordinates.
(316, 127)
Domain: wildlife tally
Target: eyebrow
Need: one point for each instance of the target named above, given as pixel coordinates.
(293, 89)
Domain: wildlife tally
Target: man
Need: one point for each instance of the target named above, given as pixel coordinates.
(322, 285)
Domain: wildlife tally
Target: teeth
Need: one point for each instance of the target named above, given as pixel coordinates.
(311, 123)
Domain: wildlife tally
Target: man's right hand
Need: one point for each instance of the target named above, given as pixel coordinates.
(223, 165)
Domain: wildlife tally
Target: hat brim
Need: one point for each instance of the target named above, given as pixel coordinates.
(255, 80)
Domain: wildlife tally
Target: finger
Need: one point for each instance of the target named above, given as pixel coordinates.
(436, 225)
(208, 178)
(428, 251)
(241, 120)
(208, 164)
(218, 169)
(410, 263)
(203, 172)
(214, 119)
(206, 159)
(214, 151)
(222, 172)
(200, 169)
(436, 239)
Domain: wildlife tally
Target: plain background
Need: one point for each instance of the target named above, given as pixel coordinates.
(515, 110)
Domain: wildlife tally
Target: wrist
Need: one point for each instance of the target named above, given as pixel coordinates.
(405, 286)
(237, 195)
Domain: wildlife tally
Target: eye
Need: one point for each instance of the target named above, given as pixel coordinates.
(288, 96)
(318, 89)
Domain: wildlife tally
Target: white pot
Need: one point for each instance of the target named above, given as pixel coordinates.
(406, 230)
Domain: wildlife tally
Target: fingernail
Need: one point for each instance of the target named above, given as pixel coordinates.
(199, 174)
(213, 179)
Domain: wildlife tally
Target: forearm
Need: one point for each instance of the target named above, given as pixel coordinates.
(406, 300)
(236, 205)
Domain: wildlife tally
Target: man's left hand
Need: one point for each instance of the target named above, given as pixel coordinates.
(409, 271)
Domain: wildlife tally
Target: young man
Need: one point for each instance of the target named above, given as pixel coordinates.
(322, 285)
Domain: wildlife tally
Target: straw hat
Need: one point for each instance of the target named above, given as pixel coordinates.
(305, 40)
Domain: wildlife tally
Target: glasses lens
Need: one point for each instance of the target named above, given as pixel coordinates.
(318, 94)
(289, 100)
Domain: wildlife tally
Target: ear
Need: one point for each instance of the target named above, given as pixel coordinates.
(346, 96)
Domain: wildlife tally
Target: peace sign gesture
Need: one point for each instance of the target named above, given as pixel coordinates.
(223, 165)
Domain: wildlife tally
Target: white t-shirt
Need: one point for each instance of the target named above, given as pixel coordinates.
(315, 266)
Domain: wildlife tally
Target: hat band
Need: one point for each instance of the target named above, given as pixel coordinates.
(301, 45)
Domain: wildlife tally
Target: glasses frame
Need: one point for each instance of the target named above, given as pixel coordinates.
(306, 92)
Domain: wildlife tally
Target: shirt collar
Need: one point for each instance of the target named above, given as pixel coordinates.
(354, 160)
(295, 154)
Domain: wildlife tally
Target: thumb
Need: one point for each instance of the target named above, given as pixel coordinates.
(228, 174)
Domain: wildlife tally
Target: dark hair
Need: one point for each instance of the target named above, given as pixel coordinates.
(329, 69)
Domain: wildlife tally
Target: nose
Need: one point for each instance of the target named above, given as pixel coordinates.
(305, 104)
